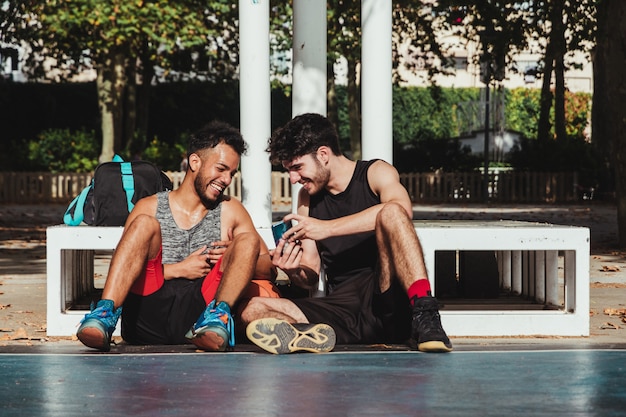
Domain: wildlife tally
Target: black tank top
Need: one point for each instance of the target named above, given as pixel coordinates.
(346, 256)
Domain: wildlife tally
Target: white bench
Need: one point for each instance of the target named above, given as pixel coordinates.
(70, 258)
(528, 264)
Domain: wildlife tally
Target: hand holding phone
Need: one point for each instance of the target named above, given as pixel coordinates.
(279, 229)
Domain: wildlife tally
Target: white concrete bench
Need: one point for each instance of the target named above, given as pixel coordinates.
(70, 258)
(528, 264)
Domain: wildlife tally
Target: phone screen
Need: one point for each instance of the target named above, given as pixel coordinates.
(278, 229)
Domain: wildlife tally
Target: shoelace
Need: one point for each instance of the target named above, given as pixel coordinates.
(103, 312)
(428, 319)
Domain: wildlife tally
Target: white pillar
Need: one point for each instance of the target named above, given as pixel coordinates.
(376, 87)
(255, 108)
(309, 63)
(309, 57)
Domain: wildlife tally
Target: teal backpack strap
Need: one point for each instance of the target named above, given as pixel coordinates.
(79, 203)
(128, 182)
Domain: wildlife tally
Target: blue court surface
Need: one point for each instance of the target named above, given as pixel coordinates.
(351, 383)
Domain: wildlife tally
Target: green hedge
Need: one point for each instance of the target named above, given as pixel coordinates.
(421, 117)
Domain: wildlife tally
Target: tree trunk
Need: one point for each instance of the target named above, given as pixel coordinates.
(354, 112)
(543, 128)
(559, 70)
(600, 129)
(129, 117)
(107, 120)
(110, 82)
(331, 95)
(143, 99)
(613, 15)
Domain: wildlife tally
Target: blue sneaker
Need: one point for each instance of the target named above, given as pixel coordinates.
(97, 327)
(214, 330)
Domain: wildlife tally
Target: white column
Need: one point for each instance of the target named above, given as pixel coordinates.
(309, 57)
(309, 75)
(309, 63)
(255, 108)
(376, 87)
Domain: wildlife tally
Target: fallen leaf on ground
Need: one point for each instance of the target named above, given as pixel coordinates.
(380, 346)
(20, 334)
(615, 311)
(611, 268)
(609, 326)
(4, 306)
(607, 285)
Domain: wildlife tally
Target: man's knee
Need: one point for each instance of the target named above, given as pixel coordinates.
(248, 242)
(391, 213)
(145, 223)
(252, 309)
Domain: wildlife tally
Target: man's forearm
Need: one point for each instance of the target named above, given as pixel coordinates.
(303, 277)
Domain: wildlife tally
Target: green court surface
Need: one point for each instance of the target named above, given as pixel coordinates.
(351, 383)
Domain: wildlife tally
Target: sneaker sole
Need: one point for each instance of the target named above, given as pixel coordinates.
(278, 336)
(434, 346)
(94, 338)
(209, 341)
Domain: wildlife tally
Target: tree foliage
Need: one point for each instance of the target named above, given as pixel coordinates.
(63, 150)
(122, 41)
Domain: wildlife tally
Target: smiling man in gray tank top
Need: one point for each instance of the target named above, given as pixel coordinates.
(185, 258)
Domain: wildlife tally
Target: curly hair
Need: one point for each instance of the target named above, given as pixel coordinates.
(213, 134)
(301, 136)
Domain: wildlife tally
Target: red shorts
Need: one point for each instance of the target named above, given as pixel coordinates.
(152, 280)
(158, 312)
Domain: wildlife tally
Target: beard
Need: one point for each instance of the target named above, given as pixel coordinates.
(320, 179)
(200, 187)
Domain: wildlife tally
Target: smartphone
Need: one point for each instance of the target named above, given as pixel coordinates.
(278, 229)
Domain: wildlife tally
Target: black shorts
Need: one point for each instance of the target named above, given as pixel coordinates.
(359, 313)
(165, 316)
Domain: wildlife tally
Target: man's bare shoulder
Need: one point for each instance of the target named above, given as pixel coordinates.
(146, 205)
(234, 214)
(232, 207)
(383, 167)
(231, 202)
(382, 173)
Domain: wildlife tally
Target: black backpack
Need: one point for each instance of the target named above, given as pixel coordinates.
(115, 188)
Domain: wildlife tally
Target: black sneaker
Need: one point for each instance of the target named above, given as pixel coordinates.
(427, 332)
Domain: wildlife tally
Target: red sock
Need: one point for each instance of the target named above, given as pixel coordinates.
(420, 288)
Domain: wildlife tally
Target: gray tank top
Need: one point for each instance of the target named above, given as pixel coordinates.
(178, 243)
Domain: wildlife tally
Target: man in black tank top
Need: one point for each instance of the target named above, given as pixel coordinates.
(354, 221)
(185, 259)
